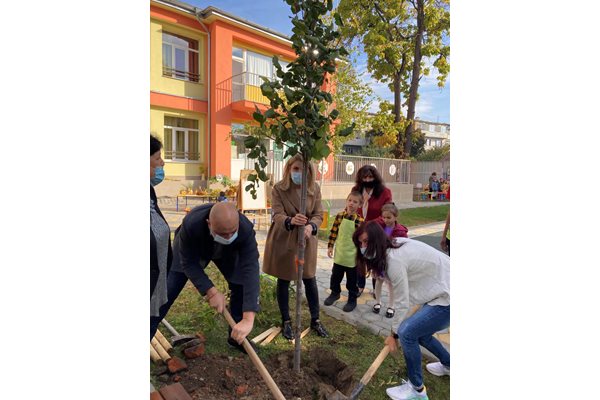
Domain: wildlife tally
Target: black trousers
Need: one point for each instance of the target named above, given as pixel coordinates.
(337, 274)
(312, 296)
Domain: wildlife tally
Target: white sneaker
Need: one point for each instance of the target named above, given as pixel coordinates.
(406, 392)
(438, 369)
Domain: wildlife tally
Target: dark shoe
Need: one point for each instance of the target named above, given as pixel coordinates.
(350, 305)
(319, 328)
(331, 299)
(390, 313)
(240, 347)
(286, 331)
(376, 308)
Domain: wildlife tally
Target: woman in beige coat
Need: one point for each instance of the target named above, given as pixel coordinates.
(282, 241)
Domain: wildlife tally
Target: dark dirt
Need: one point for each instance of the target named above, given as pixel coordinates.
(222, 377)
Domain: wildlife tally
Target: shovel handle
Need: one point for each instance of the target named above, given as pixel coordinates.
(373, 368)
(256, 361)
(170, 328)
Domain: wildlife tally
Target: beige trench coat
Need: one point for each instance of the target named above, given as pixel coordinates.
(281, 247)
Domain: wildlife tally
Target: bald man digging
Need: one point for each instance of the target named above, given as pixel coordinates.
(217, 233)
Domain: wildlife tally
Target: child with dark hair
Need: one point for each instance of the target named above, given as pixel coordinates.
(222, 197)
(340, 238)
(389, 222)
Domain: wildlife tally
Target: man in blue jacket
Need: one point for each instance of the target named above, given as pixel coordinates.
(217, 233)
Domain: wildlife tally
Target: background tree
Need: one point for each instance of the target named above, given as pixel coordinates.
(299, 116)
(435, 153)
(397, 36)
(352, 100)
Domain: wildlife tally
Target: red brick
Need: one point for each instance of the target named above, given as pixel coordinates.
(176, 378)
(175, 392)
(228, 373)
(194, 352)
(241, 389)
(156, 396)
(176, 364)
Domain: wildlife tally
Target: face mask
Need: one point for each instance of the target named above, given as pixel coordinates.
(363, 250)
(159, 175)
(369, 184)
(297, 178)
(222, 240)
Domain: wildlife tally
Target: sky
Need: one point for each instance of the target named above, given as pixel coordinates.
(433, 104)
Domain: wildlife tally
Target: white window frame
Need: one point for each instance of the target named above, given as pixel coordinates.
(174, 130)
(186, 51)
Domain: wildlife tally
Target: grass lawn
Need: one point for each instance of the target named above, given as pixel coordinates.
(356, 347)
(408, 217)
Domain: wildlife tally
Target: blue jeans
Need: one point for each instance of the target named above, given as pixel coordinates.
(175, 283)
(418, 330)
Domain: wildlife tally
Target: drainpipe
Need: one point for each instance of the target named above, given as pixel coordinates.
(198, 15)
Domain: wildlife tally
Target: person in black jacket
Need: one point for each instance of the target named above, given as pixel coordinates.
(217, 233)
(160, 236)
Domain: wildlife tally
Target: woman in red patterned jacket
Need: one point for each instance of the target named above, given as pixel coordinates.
(375, 194)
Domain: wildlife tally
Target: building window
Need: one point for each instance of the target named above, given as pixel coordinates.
(180, 57)
(182, 139)
(438, 128)
(428, 142)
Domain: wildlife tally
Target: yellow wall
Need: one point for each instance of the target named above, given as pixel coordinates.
(174, 168)
(174, 86)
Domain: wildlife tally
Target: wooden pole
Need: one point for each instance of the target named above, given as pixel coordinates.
(154, 355)
(160, 350)
(271, 336)
(256, 361)
(263, 335)
(163, 341)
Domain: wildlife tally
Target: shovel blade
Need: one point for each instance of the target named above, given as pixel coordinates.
(180, 339)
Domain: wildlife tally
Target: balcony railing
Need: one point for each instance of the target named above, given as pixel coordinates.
(178, 74)
(246, 86)
(182, 155)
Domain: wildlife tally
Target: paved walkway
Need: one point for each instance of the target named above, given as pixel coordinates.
(362, 315)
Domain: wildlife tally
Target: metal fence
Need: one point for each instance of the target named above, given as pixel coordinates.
(345, 168)
(420, 171)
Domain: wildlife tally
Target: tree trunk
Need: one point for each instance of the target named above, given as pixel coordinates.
(300, 268)
(416, 72)
(398, 150)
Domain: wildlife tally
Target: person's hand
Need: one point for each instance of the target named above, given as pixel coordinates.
(216, 299)
(391, 343)
(308, 231)
(299, 220)
(241, 330)
(330, 252)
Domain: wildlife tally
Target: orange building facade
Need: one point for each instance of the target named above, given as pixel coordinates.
(205, 73)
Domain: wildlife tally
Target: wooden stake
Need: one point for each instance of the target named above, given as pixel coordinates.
(160, 350)
(304, 333)
(163, 341)
(154, 355)
(272, 336)
(263, 335)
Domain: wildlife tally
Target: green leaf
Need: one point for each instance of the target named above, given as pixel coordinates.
(258, 117)
(249, 187)
(252, 177)
(334, 114)
(270, 113)
(250, 141)
(347, 131)
(263, 176)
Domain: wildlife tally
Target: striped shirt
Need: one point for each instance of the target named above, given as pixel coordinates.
(338, 220)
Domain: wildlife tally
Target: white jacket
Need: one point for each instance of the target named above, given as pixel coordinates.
(419, 275)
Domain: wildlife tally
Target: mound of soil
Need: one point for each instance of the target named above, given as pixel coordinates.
(222, 377)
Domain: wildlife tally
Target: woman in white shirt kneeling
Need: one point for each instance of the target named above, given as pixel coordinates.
(420, 275)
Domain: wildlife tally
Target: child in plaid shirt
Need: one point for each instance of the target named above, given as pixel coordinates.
(344, 261)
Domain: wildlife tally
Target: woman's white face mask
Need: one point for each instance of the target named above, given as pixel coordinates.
(363, 250)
